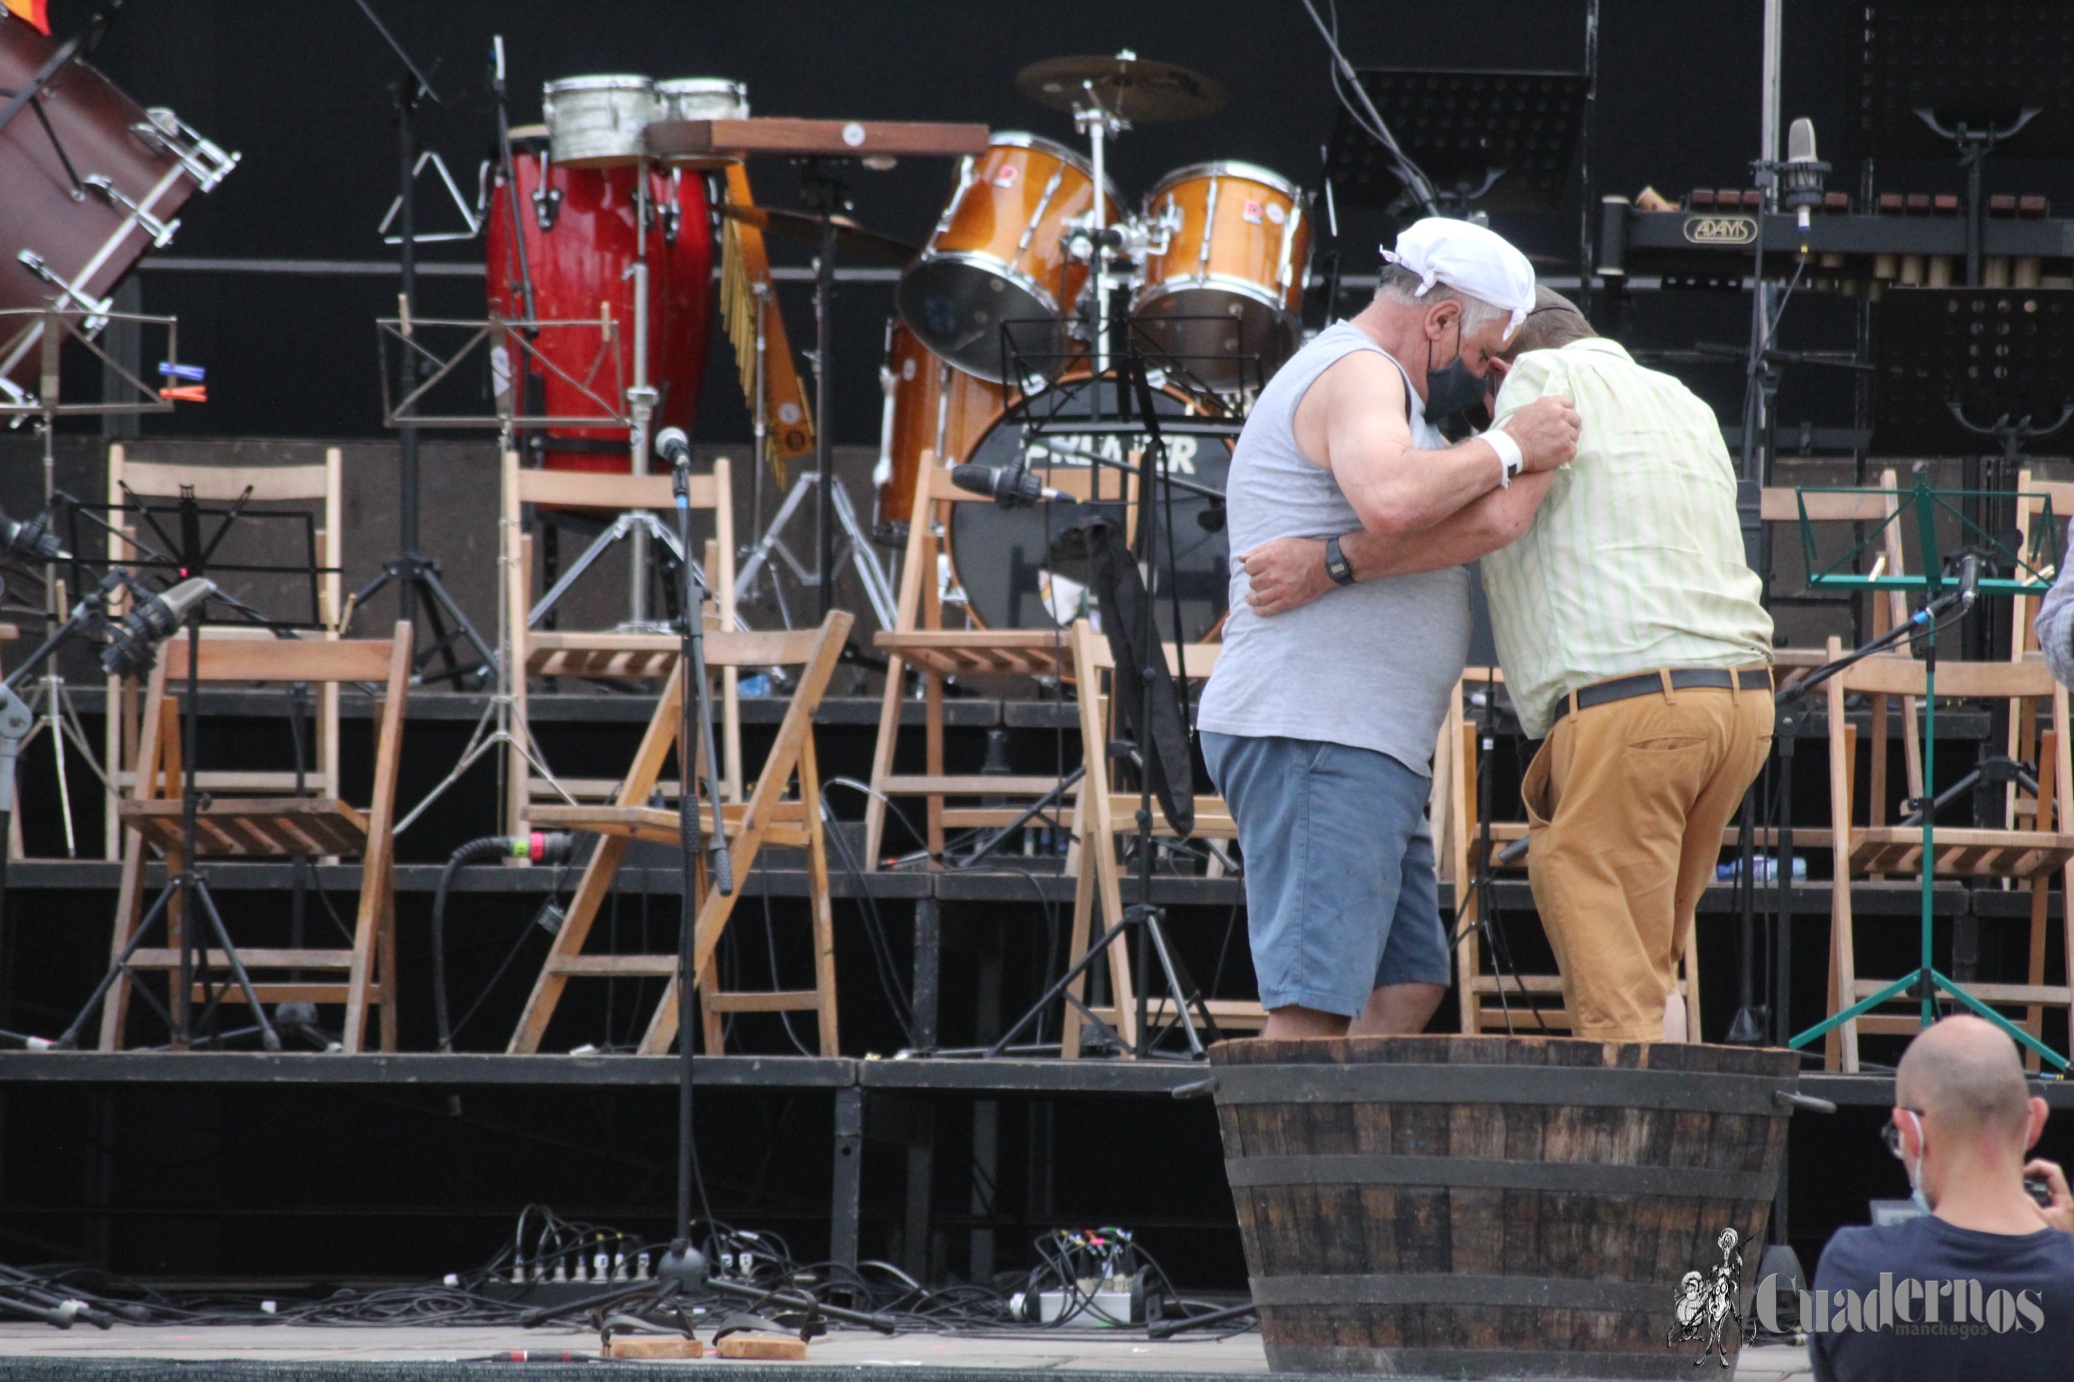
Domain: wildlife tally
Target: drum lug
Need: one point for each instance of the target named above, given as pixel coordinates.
(96, 309)
(203, 160)
(547, 204)
(160, 231)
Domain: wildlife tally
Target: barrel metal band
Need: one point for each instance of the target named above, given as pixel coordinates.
(1447, 1288)
(1500, 1084)
(1480, 1173)
(1478, 1362)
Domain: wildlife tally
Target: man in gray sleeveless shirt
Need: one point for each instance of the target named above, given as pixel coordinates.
(1320, 723)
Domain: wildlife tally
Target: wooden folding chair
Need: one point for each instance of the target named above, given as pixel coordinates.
(216, 485)
(2029, 857)
(603, 655)
(280, 825)
(1888, 609)
(919, 642)
(1518, 1003)
(1102, 818)
(769, 817)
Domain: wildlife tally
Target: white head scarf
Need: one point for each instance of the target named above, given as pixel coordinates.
(1471, 259)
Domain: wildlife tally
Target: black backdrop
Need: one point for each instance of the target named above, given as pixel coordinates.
(301, 90)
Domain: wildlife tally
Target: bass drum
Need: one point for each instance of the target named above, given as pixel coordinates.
(999, 557)
(580, 238)
(930, 407)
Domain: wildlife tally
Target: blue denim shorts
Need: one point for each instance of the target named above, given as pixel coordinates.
(1340, 891)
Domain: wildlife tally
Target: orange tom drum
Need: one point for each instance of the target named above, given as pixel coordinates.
(1227, 289)
(930, 407)
(999, 255)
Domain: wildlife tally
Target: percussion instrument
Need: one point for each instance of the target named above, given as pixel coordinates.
(598, 122)
(930, 407)
(701, 98)
(756, 330)
(1127, 88)
(580, 233)
(71, 234)
(999, 556)
(1224, 276)
(1000, 256)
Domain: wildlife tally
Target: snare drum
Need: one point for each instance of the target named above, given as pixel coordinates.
(1227, 290)
(930, 407)
(598, 122)
(999, 256)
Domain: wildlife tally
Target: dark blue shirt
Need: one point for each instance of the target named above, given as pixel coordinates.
(2018, 1323)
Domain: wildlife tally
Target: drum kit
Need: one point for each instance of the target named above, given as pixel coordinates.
(1016, 295)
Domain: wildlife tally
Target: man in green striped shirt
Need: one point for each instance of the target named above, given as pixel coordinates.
(1634, 644)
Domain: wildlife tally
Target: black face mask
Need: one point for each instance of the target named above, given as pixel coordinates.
(1452, 388)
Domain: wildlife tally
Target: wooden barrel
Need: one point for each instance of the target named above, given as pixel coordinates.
(1495, 1206)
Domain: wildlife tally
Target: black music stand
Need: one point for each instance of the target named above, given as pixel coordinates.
(415, 575)
(1930, 78)
(190, 551)
(1504, 141)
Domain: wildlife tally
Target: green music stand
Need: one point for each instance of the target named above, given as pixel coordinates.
(2027, 577)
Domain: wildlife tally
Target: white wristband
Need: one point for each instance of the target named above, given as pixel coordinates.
(1510, 458)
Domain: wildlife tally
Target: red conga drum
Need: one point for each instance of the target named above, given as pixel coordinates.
(580, 231)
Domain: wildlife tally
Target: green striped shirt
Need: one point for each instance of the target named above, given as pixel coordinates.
(1635, 560)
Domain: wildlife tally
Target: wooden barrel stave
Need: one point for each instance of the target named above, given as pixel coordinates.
(1498, 1240)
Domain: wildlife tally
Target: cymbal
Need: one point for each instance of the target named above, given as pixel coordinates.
(1137, 90)
(804, 226)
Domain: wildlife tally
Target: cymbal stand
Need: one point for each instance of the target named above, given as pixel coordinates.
(1095, 121)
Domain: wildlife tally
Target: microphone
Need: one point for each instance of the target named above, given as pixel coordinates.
(1969, 581)
(32, 541)
(132, 643)
(1801, 175)
(673, 446)
(1012, 487)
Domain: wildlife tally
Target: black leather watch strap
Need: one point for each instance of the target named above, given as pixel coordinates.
(1336, 564)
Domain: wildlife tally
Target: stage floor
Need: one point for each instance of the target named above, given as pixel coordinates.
(37, 1351)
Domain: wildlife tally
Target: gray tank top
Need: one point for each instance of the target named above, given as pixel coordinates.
(1369, 665)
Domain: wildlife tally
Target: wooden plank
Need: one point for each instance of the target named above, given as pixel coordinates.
(769, 1001)
(1782, 504)
(755, 1344)
(281, 659)
(762, 648)
(221, 484)
(815, 138)
(255, 957)
(653, 1346)
(1904, 676)
(913, 639)
(608, 965)
(2055, 994)
(590, 489)
(967, 785)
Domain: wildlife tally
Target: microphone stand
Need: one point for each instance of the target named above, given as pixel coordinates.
(684, 1263)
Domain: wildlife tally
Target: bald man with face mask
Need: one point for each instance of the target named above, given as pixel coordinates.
(1963, 1122)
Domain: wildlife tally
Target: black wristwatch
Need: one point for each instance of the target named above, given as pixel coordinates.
(1336, 565)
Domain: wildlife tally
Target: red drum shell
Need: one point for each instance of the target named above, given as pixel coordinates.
(578, 264)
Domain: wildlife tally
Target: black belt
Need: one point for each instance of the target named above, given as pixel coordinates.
(1652, 683)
